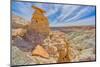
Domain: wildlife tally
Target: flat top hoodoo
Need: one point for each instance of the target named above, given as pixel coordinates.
(38, 9)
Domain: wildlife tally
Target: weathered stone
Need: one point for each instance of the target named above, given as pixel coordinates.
(18, 32)
(18, 22)
(23, 44)
(38, 29)
(56, 45)
(40, 51)
(87, 55)
(73, 54)
(39, 22)
(20, 58)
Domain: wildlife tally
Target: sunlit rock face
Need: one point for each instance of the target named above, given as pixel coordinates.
(40, 51)
(18, 22)
(56, 45)
(18, 32)
(38, 29)
(39, 22)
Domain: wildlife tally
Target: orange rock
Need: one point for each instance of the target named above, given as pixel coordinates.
(39, 9)
(39, 22)
(40, 51)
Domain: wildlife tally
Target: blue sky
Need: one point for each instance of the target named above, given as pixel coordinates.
(58, 14)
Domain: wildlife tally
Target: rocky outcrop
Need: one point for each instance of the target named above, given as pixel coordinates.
(20, 58)
(39, 22)
(84, 43)
(36, 43)
(18, 32)
(18, 22)
(57, 45)
(31, 33)
(40, 51)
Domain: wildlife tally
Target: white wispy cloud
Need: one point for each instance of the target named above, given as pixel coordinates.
(83, 22)
(66, 14)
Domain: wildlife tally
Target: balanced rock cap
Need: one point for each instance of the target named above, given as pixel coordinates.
(38, 9)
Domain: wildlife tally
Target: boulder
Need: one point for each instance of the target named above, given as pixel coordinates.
(40, 51)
